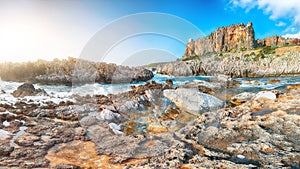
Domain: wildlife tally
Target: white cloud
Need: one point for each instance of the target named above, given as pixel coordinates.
(296, 35)
(247, 4)
(275, 8)
(290, 29)
(280, 24)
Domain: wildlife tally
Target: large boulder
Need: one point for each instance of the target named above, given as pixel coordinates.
(265, 94)
(192, 101)
(28, 89)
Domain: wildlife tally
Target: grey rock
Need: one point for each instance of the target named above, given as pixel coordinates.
(131, 107)
(175, 69)
(242, 98)
(107, 115)
(28, 89)
(107, 142)
(265, 94)
(193, 101)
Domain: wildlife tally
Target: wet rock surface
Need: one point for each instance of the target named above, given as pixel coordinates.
(147, 128)
(28, 89)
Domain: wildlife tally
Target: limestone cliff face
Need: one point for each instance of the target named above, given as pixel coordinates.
(223, 39)
(234, 37)
(279, 41)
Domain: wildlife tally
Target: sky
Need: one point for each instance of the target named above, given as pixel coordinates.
(119, 31)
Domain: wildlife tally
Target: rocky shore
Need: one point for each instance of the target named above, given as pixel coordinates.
(72, 71)
(153, 126)
(236, 65)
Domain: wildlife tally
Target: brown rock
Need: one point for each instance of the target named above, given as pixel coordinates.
(84, 155)
(26, 139)
(169, 82)
(205, 89)
(224, 39)
(28, 89)
(272, 81)
(280, 41)
(157, 128)
(268, 150)
(293, 87)
(248, 82)
(256, 83)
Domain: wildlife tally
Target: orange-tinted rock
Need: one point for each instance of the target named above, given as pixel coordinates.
(272, 81)
(280, 41)
(231, 39)
(256, 83)
(234, 37)
(267, 150)
(293, 87)
(248, 82)
(84, 155)
(205, 89)
(129, 127)
(157, 128)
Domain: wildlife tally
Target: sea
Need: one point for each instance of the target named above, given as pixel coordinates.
(58, 93)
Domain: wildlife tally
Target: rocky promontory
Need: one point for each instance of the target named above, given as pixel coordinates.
(256, 63)
(234, 38)
(72, 71)
(224, 39)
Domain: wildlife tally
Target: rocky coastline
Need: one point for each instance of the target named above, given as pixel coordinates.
(153, 126)
(206, 123)
(72, 71)
(235, 65)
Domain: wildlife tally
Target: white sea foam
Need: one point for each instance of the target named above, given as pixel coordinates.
(6, 123)
(4, 134)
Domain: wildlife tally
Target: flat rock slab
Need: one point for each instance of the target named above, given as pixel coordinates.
(107, 142)
(82, 154)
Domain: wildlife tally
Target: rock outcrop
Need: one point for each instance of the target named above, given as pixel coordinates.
(238, 65)
(238, 37)
(278, 41)
(28, 89)
(72, 71)
(224, 39)
(192, 101)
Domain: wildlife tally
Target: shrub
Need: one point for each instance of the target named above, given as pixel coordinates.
(268, 50)
(243, 49)
(191, 58)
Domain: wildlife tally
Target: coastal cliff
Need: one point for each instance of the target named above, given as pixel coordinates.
(277, 41)
(239, 36)
(234, 38)
(267, 62)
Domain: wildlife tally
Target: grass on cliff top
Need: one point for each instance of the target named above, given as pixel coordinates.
(259, 52)
(191, 58)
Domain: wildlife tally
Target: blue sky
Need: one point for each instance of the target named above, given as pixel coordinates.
(40, 29)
